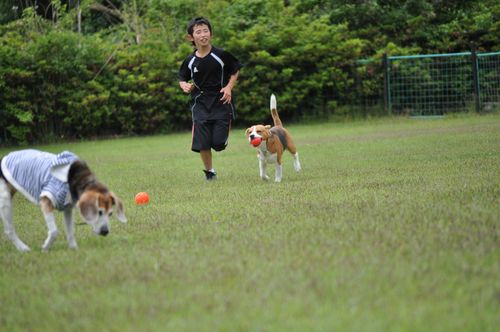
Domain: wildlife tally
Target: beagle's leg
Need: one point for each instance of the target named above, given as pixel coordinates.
(262, 167)
(70, 227)
(6, 215)
(296, 162)
(293, 150)
(50, 220)
(279, 167)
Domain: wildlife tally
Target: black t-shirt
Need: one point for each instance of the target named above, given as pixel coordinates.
(209, 75)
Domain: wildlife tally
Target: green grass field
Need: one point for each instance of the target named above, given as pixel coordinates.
(393, 225)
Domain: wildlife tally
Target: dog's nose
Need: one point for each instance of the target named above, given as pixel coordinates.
(104, 231)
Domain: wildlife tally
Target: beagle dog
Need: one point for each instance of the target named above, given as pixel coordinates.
(271, 143)
(55, 182)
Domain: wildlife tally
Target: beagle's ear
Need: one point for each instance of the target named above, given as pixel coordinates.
(247, 132)
(120, 214)
(87, 204)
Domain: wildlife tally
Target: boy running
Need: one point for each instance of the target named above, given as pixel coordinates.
(209, 75)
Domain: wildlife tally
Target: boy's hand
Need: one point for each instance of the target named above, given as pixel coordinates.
(226, 94)
(186, 87)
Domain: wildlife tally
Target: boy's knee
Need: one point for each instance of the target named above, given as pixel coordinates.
(219, 147)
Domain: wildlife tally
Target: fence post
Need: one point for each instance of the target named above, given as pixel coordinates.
(387, 85)
(475, 78)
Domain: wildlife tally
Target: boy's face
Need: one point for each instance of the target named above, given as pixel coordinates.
(201, 36)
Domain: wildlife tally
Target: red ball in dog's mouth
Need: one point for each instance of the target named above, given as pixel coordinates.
(256, 141)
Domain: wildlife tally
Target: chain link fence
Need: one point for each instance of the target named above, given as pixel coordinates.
(431, 85)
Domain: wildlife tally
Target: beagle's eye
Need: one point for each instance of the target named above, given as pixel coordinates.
(100, 213)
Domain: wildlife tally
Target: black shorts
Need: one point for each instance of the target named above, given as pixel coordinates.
(210, 134)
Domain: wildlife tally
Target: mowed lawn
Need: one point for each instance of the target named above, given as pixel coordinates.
(393, 225)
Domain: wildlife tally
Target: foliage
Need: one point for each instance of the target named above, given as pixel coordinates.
(115, 72)
(8, 10)
(298, 63)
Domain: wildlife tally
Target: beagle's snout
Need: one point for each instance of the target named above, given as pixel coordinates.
(104, 231)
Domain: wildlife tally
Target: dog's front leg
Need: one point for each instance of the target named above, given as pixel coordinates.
(50, 220)
(70, 227)
(6, 216)
(262, 167)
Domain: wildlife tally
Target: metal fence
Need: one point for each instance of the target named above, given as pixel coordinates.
(489, 80)
(436, 84)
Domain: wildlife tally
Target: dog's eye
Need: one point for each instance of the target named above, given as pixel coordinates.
(100, 212)
(110, 214)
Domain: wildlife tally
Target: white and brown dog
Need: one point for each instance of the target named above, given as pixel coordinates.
(271, 143)
(55, 182)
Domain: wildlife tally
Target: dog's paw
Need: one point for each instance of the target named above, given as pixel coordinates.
(277, 180)
(296, 165)
(49, 241)
(22, 247)
(264, 177)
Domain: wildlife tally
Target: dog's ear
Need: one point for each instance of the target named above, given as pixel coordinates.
(120, 214)
(266, 132)
(247, 132)
(88, 206)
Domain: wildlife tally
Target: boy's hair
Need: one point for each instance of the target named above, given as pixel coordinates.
(198, 21)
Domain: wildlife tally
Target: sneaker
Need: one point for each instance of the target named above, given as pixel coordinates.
(210, 175)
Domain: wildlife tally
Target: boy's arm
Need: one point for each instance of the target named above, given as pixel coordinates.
(226, 91)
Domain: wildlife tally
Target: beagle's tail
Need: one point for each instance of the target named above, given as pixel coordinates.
(274, 112)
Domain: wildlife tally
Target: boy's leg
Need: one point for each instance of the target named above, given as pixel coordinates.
(199, 137)
(202, 143)
(220, 134)
(206, 158)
